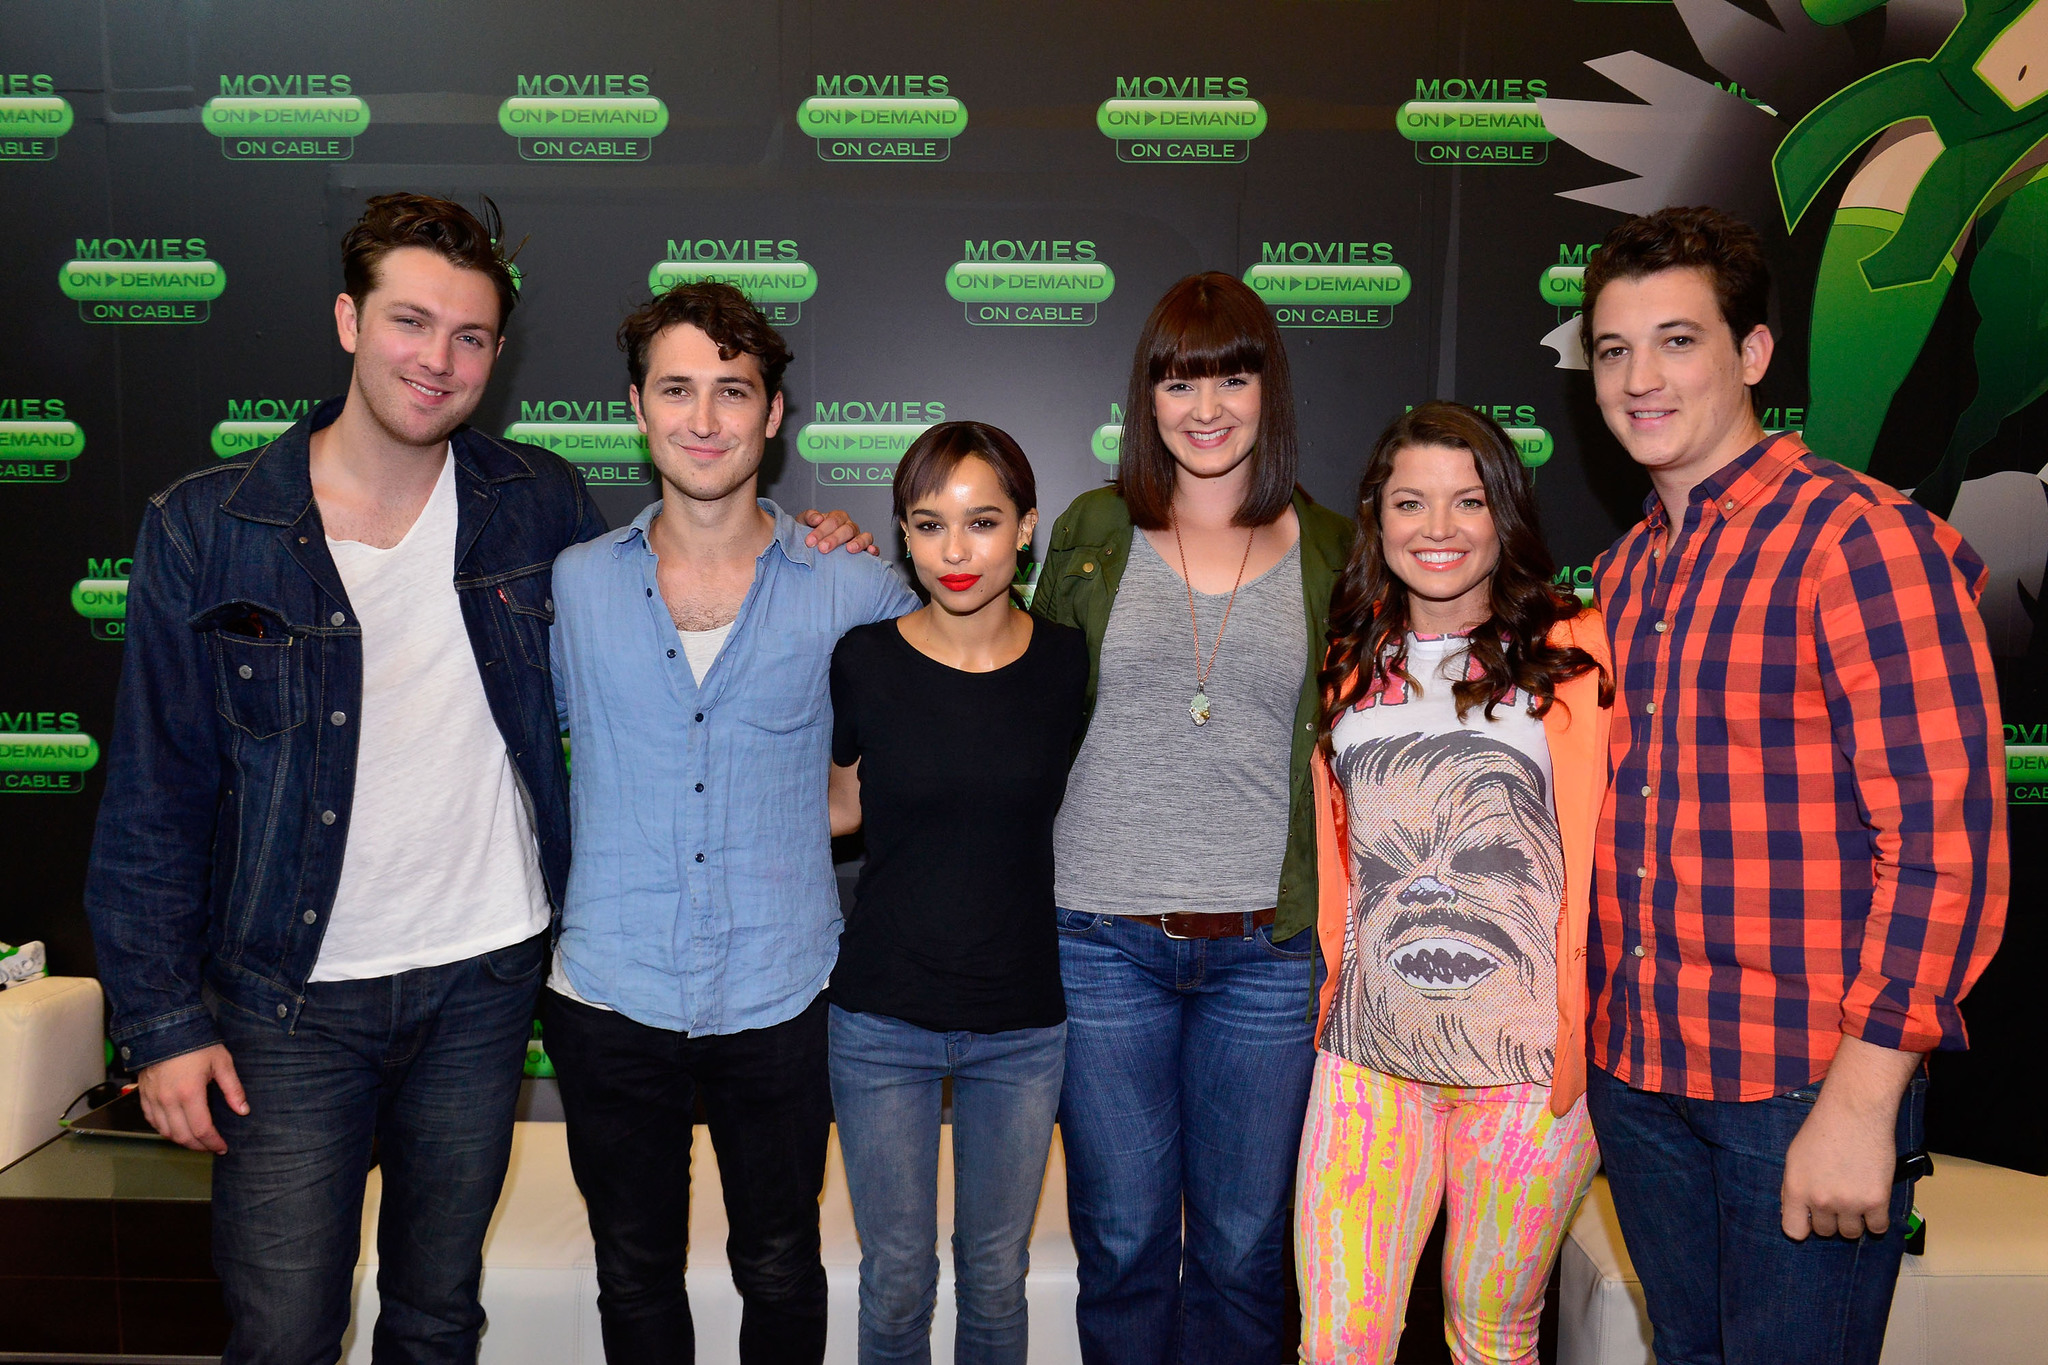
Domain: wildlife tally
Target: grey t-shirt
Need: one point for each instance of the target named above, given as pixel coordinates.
(1163, 815)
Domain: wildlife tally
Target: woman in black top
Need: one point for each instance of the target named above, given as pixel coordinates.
(952, 730)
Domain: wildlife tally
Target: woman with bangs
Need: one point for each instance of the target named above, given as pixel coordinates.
(1459, 782)
(1185, 852)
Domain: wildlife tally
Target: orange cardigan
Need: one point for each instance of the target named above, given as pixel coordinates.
(1576, 726)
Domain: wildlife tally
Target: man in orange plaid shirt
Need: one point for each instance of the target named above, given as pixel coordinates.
(1802, 866)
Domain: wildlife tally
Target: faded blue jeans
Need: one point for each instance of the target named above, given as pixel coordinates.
(886, 1077)
(1188, 1068)
(1696, 1190)
(428, 1063)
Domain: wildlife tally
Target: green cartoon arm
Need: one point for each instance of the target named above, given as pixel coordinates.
(1947, 199)
(1830, 135)
(1837, 11)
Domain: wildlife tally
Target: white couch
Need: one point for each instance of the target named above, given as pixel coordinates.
(540, 1278)
(52, 1049)
(1979, 1295)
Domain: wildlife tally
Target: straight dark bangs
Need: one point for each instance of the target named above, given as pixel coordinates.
(936, 453)
(1199, 334)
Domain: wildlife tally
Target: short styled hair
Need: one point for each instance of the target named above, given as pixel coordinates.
(1207, 326)
(442, 226)
(938, 451)
(720, 312)
(1723, 247)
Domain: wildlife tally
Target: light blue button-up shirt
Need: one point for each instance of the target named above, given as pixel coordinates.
(701, 896)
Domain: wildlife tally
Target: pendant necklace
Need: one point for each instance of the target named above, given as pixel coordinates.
(1198, 709)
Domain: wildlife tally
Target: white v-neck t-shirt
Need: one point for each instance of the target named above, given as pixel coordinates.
(441, 862)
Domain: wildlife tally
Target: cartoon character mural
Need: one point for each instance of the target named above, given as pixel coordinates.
(1451, 951)
(1953, 129)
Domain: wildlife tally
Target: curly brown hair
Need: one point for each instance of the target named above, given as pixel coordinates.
(1719, 245)
(442, 226)
(1369, 608)
(720, 312)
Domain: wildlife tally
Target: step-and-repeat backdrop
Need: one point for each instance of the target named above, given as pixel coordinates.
(965, 211)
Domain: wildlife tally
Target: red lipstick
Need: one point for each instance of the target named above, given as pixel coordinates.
(958, 582)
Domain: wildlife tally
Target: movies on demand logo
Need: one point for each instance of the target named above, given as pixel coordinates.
(1533, 443)
(1182, 120)
(2026, 764)
(37, 441)
(101, 597)
(594, 117)
(1009, 282)
(44, 751)
(1329, 284)
(1563, 285)
(862, 443)
(151, 279)
(600, 439)
(1463, 122)
(770, 271)
(1107, 440)
(253, 423)
(32, 117)
(883, 118)
(298, 116)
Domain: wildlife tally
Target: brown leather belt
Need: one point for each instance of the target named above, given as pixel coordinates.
(1207, 924)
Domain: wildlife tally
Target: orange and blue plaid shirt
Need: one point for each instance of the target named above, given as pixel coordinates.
(1804, 835)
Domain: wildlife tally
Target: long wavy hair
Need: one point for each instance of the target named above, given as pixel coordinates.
(1369, 608)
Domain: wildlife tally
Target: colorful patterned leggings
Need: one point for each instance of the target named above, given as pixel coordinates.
(1378, 1154)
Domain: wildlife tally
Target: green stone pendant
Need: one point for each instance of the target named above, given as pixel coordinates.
(1198, 709)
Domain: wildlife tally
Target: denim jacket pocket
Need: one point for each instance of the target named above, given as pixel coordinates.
(527, 609)
(258, 669)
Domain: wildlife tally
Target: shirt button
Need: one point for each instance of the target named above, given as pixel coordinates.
(326, 817)
(671, 654)
(700, 786)
(1088, 567)
(1728, 506)
(700, 717)
(1646, 791)
(1637, 950)
(282, 1011)
(1650, 707)
(310, 917)
(339, 718)
(246, 671)
(700, 857)
(1661, 627)
(1642, 872)
(338, 619)
(650, 592)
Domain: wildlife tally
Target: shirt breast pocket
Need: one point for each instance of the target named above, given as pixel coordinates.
(259, 683)
(786, 686)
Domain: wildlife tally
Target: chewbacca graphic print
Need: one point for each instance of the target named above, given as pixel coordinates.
(1450, 957)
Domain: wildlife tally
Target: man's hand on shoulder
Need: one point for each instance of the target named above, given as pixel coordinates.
(830, 530)
(174, 1096)
(1839, 1168)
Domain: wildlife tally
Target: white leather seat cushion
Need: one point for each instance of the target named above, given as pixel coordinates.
(52, 1049)
(540, 1278)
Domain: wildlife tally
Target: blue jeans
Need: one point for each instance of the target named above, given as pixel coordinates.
(1188, 1067)
(1696, 1187)
(886, 1078)
(427, 1063)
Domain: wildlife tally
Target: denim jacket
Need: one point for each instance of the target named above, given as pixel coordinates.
(232, 762)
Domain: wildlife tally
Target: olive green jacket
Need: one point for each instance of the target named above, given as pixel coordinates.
(1077, 585)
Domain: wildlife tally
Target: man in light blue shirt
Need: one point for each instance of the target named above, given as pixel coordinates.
(690, 653)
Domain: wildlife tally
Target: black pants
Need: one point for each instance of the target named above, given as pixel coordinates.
(629, 1093)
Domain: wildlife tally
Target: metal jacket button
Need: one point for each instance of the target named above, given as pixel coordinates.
(246, 671)
(310, 917)
(282, 1011)
(339, 718)
(337, 619)
(326, 817)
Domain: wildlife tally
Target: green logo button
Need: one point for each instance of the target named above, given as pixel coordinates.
(1108, 442)
(1475, 132)
(1181, 131)
(1534, 444)
(285, 128)
(38, 451)
(1563, 286)
(143, 291)
(777, 288)
(606, 453)
(30, 126)
(1330, 295)
(883, 128)
(1030, 293)
(46, 763)
(584, 128)
(857, 442)
(100, 599)
(239, 438)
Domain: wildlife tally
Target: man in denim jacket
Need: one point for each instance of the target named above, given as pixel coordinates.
(336, 828)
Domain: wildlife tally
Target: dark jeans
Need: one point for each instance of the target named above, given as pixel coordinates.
(1696, 1186)
(1188, 1068)
(427, 1062)
(629, 1092)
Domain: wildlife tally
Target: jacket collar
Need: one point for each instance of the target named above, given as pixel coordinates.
(277, 487)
